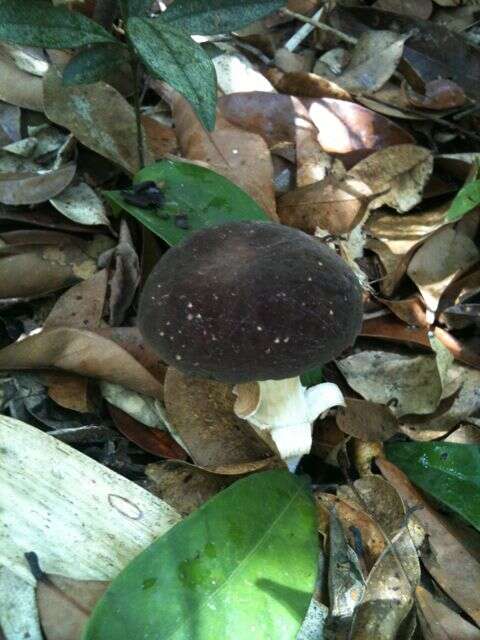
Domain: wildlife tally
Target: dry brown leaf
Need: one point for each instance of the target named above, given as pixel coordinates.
(439, 622)
(35, 187)
(82, 352)
(399, 172)
(439, 261)
(439, 95)
(18, 87)
(308, 85)
(69, 391)
(331, 204)
(65, 605)
(374, 60)
(81, 109)
(80, 306)
(345, 129)
(449, 563)
(201, 412)
(366, 420)
(421, 9)
(394, 241)
(241, 157)
(161, 139)
(411, 310)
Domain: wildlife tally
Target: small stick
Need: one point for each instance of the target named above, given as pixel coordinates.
(303, 32)
(321, 25)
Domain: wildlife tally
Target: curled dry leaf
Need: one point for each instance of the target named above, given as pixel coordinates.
(345, 129)
(400, 172)
(374, 60)
(65, 605)
(18, 87)
(439, 94)
(439, 261)
(308, 85)
(241, 157)
(33, 187)
(366, 420)
(82, 352)
(394, 243)
(69, 391)
(330, 204)
(201, 412)
(81, 109)
(449, 563)
(126, 275)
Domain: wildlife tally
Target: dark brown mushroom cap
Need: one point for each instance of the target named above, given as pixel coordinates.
(250, 301)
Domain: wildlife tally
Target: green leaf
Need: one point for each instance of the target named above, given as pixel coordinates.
(448, 471)
(171, 55)
(242, 566)
(208, 17)
(312, 377)
(205, 197)
(37, 23)
(466, 199)
(132, 8)
(93, 64)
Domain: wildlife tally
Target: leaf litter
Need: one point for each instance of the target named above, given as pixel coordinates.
(358, 125)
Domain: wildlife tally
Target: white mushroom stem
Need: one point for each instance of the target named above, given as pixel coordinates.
(282, 412)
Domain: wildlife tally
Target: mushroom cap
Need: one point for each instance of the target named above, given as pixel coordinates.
(250, 301)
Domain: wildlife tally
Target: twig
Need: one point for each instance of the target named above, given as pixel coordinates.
(321, 25)
(303, 32)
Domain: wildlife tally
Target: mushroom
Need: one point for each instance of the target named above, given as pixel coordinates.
(255, 304)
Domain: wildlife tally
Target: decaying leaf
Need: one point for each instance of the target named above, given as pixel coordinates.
(414, 8)
(34, 187)
(366, 420)
(439, 95)
(18, 87)
(90, 521)
(399, 172)
(81, 109)
(309, 85)
(65, 605)
(440, 622)
(80, 203)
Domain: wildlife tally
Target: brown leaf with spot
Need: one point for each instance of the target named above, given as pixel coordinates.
(82, 352)
(449, 563)
(201, 412)
(366, 420)
(155, 441)
(439, 95)
(65, 605)
(345, 129)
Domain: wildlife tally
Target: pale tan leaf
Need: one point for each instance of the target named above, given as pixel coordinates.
(366, 420)
(18, 87)
(439, 622)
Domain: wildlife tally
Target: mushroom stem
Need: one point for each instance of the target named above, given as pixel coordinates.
(282, 412)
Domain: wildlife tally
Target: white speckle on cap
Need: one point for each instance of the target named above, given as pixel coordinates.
(267, 350)
(259, 328)
(277, 340)
(214, 338)
(330, 313)
(168, 323)
(189, 305)
(190, 316)
(286, 339)
(178, 357)
(199, 315)
(320, 263)
(309, 279)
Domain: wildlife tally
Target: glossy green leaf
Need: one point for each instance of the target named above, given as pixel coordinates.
(38, 23)
(466, 199)
(209, 17)
(171, 55)
(242, 566)
(448, 471)
(312, 377)
(132, 8)
(93, 64)
(203, 196)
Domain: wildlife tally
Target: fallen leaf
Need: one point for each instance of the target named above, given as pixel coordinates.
(400, 172)
(395, 243)
(81, 109)
(439, 261)
(440, 622)
(414, 8)
(65, 605)
(80, 203)
(439, 95)
(81, 306)
(69, 391)
(81, 352)
(449, 563)
(366, 420)
(18, 87)
(161, 139)
(201, 412)
(35, 187)
(236, 73)
(241, 157)
(345, 129)
(153, 440)
(374, 60)
(308, 85)
(102, 519)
